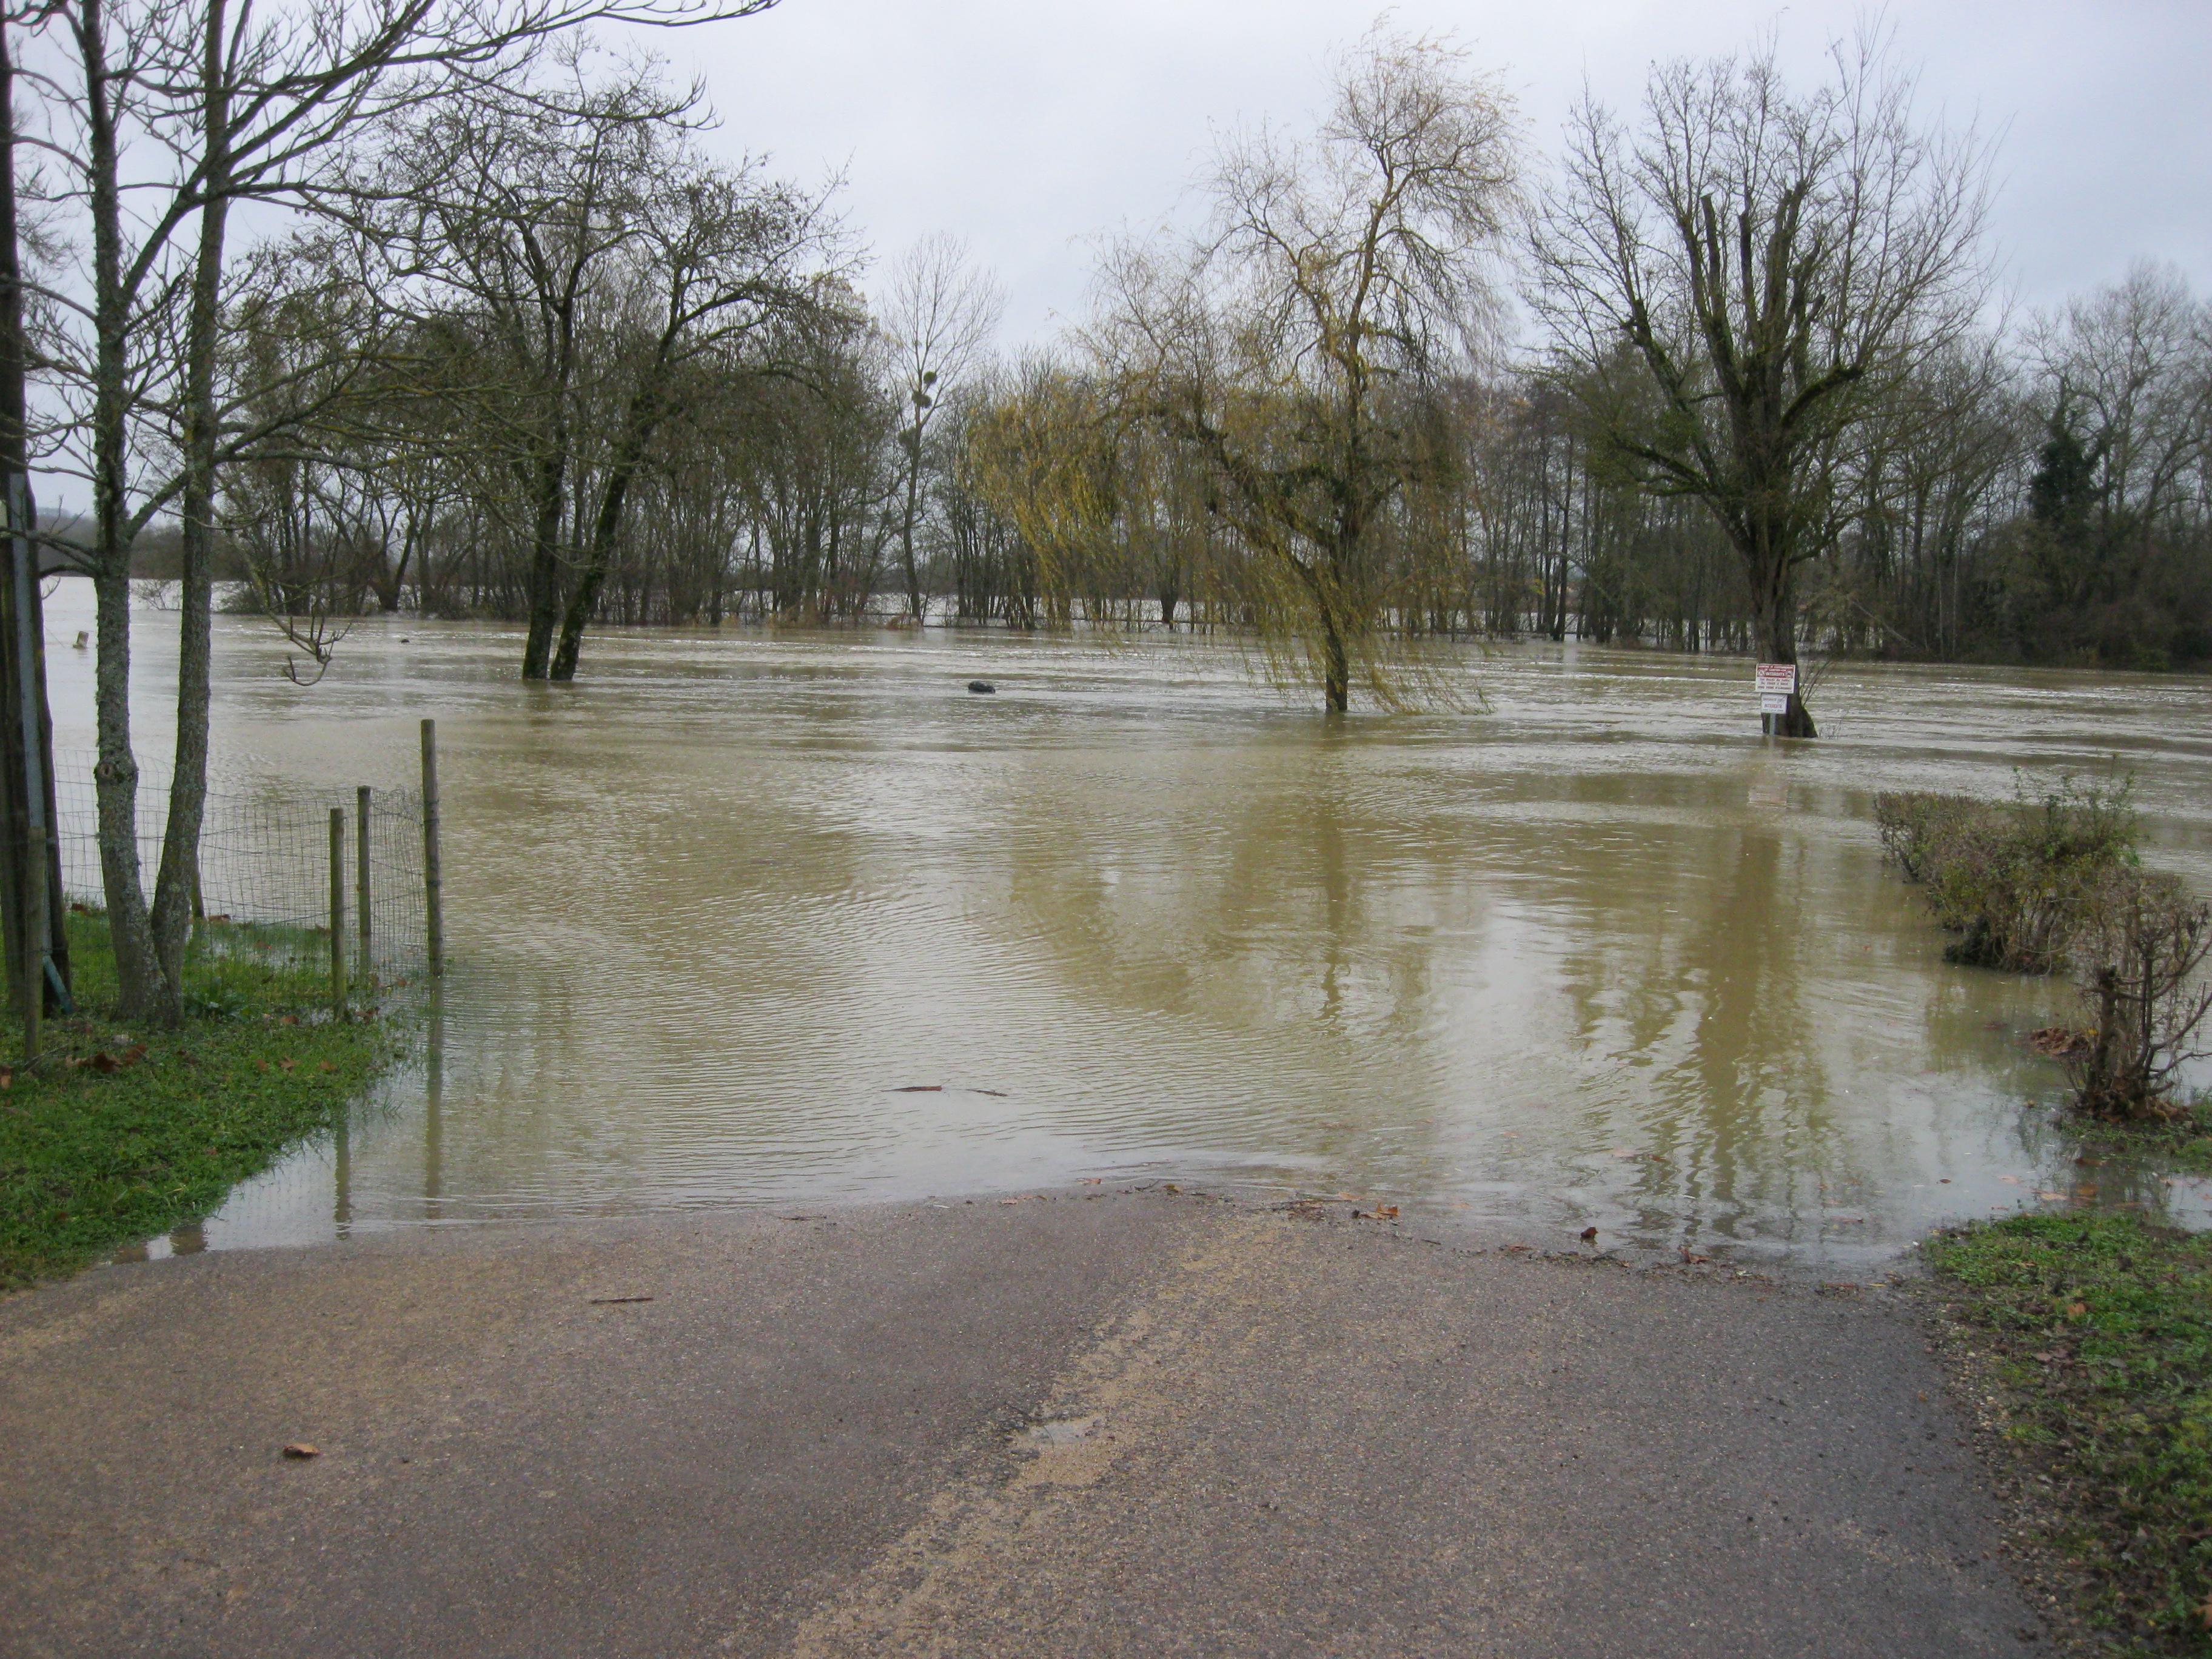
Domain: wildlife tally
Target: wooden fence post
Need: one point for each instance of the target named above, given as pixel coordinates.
(34, 942)
(361, 890)
(338, 910)
(432, 896)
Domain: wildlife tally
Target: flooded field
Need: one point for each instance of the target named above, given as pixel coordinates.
(782, 918)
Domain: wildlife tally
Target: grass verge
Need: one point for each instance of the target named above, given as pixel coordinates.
(124, 1132)
(2094, 1333)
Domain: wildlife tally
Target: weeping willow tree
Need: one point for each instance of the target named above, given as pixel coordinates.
(1042, 453)
(1296, 347)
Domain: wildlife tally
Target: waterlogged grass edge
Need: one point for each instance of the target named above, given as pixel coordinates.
(125, 1132)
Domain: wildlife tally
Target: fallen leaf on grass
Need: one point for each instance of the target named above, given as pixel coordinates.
(2077, 1310)
(288, 1063)
(301, 1448)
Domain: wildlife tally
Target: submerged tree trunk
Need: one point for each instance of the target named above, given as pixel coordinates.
(545, 564)
(1774, 599)
(642, 420)
(1336, 670)
(604, 531)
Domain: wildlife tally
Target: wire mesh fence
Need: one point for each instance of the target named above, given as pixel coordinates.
(265, 862)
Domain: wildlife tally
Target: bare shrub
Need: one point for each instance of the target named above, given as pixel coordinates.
(2144, 981)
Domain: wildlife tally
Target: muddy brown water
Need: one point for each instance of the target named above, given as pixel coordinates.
(759, 917)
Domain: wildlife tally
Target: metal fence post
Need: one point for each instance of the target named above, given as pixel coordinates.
(338, 910)
(433, 898)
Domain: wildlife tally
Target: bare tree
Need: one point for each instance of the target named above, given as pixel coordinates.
(940, 315)
(1343, 279)
(161, 117)
(721, 256)
(1780, 263)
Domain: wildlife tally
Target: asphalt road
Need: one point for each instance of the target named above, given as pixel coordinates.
(1082, 1424)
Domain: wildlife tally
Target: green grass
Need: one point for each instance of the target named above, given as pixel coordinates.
(2097, 1332)
(92, 1158)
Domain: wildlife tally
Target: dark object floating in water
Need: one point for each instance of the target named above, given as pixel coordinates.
(982, 688)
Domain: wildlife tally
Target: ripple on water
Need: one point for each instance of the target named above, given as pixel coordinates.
(1583, 953)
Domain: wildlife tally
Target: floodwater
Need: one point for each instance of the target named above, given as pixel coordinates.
(776, 918)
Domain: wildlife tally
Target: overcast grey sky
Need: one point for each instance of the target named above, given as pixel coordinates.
(1031, 128)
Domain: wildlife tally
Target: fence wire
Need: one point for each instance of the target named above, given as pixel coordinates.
(266, 860)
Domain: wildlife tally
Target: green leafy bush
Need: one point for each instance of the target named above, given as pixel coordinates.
(2020, 883)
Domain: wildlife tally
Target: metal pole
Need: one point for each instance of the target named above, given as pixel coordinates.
(338, 910)
(433, 897)
(361, 876)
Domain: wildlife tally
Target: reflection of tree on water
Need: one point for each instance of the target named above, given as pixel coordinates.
(1282, 905)
(1754, 1058)
(1737, 1106)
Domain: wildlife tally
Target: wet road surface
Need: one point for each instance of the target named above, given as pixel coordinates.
(1093, 1423)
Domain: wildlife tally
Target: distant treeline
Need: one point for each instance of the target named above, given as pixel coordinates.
(552, 364)
(2048, 500)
